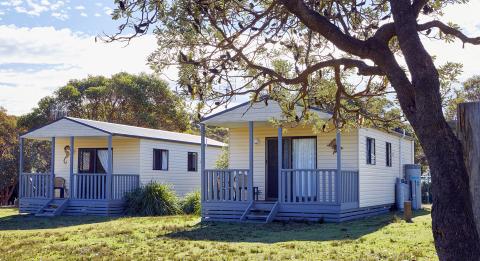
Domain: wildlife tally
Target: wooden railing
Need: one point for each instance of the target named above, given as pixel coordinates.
(94, 186)
(124, 183)
(321, 186)
(35, 185)
(225, 185)
(89, 186)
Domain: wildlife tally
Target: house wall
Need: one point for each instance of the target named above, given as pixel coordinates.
(135, 156)
(177, 175)
(377, 182)
(238, 146)
(125, 154)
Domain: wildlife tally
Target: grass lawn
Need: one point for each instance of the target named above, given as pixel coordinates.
(384, 237)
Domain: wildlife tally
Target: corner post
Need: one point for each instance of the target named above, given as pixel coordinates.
(72, 151)
(280, 163)
(251, 195)
(110, 169)
(339, 167)
(52, 169)
(20, 170)
(202, 161)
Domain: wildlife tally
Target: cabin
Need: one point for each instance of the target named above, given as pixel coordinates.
(94, 163)
(296, 173)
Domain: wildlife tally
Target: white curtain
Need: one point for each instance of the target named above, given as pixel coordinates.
(303, 157)
(103, 156)
(164, 159)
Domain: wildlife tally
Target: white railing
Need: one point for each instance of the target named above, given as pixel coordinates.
(35, 185)
(226, 185)
(94, 186)
(124, 183)
(321, 186)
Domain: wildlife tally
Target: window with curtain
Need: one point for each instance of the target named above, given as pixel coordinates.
(92, 160)
(304, 156)
(371, 151)
(388, 154)
(160, 159)
(192, 161)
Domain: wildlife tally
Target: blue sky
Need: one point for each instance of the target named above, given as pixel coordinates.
(45, 43)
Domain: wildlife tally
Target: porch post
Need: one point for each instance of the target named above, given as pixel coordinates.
(20, 170)
(72, 151)
(280, 163)
(251, 195)
(339, 167)
(109, 169)
(202, 161)
(52, 169)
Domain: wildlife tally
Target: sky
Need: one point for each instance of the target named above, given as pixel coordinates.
(45, 43)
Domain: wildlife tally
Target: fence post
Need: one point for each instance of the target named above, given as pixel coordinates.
(72, 151)
(20, 170)
(468, 124)
(280, 163)
(52, 170)
(202, 162)
(250, 161)
(338, 180)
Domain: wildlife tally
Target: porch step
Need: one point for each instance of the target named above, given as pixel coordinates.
(260, 212)
(53, 208)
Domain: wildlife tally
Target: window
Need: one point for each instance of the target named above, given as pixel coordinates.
(160, 159)
(388, 147)
(92, 160)
(192, 161)
(370, 151)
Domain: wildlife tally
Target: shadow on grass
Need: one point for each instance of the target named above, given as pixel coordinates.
(288, 231)
(27, 222)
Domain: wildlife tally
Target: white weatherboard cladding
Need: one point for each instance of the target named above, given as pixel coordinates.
(177, 175)
(64, 128)
(125, 154)
(377, 182)
(238, 146)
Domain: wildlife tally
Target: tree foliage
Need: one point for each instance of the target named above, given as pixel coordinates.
(140, 100)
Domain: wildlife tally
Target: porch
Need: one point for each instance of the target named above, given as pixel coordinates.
(298, 190)
(81, 178)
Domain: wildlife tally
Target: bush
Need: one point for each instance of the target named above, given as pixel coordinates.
(191, 203)
(154, 199)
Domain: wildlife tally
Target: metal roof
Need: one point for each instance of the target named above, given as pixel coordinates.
(138, 132)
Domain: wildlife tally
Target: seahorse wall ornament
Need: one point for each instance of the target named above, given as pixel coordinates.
(333, 145)
(67, 153)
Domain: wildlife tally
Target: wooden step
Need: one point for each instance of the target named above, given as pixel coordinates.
(257, 217)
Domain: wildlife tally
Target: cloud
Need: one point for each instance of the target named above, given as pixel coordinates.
(62, 15)
(80, 7)
(97, 15)
(39, 60)
(83, 14)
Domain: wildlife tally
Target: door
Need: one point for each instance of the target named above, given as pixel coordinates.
(298, 153)
(271, 179)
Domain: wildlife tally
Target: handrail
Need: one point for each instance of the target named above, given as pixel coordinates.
(35, 185)
(225, 185)
(318, 186)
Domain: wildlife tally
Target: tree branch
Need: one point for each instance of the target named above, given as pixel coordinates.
(449, 30)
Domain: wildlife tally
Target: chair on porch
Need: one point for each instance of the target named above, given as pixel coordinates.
(60, 184)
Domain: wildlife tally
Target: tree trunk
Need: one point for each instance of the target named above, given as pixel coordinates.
(468, 130)
(453, 224)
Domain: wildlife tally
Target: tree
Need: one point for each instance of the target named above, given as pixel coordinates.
(468, 92)
(8, 155)
(279, 48)
(140, 100)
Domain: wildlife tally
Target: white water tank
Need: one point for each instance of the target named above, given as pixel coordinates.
(413, 174)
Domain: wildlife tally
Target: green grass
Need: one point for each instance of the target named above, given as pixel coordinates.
(384, 237)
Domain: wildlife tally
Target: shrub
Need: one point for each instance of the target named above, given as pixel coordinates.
(153, 199)
(191, 203)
